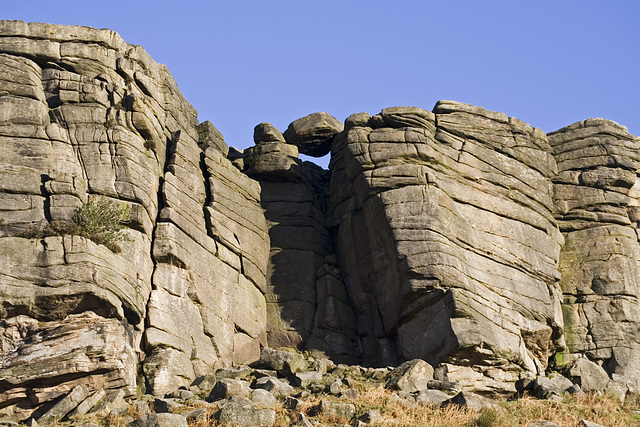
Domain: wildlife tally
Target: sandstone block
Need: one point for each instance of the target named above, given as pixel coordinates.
(238, 411)
(313, 134)
(411, 376)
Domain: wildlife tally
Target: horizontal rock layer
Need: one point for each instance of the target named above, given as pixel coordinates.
(446, 238)
(597, 205)
(459, 236)
(84, 114)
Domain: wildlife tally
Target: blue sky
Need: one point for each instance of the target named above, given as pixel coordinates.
(549, 63)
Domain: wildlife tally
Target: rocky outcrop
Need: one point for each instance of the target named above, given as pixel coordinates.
(446, 239)
(307, 303)
(467, 244)
(313, 134)
(82, 114)
(597, 206)
(252, 399)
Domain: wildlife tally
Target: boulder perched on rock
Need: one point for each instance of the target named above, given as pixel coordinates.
(313, 134)
(266, 132)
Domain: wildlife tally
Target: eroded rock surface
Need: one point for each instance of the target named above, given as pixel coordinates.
(460, 237)
(446, 239)
(83, 113)
(597, 206)
(308, 306)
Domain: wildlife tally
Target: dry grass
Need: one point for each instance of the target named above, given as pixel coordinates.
(604, 410)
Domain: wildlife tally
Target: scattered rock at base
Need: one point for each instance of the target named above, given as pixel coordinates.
(238, 411)
(284, 362)
(411, 376)
(589, 375)
(431, 397)
(340, 410)
(471, 401)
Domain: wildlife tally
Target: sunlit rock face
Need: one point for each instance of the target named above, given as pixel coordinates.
(459, 236)
(82, 113)
(446, 237)
(598, 208)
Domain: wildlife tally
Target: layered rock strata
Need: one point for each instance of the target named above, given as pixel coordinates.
(446, 239)
(460, 236)
(308, 306)
(82, 114)
(598, 209)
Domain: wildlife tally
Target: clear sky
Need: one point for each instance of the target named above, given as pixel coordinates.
(547, 62)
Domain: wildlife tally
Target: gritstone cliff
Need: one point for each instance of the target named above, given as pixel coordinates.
(459, 236)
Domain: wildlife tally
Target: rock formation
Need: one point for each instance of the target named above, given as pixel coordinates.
(458, 236)
(83, 113)
(598, 206)
(447, 241)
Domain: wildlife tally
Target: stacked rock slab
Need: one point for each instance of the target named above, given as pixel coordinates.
(308, 306)
(82, 113)
(446, 239)
(598, 208)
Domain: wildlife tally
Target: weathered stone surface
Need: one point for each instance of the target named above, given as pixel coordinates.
(239, 412)
(471, 401)
(85, 113)
(160, 420)
(431, 397)
(209, 135)
(112, 401)
(307, 304)
(46, 360)
(596, 199)
(227, 387)
(411, 376)
(313, 134)
(263, 399)
(266, 132)
(336, 410)
(443, 230)
(590, 376)
(304, 379)
(284, 362)
(64, 406)
(461, 237)
(275, 386)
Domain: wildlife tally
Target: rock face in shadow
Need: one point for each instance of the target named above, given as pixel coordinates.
(307, 303)
(446, 239)
(458, 237)
(598, 208)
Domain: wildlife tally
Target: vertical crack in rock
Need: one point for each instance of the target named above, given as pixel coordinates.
(450, 214)
(308, 306)
(459, 236)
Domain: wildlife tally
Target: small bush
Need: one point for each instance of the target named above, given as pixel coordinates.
(102, 221)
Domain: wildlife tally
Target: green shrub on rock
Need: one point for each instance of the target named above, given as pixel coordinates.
(103, 221)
